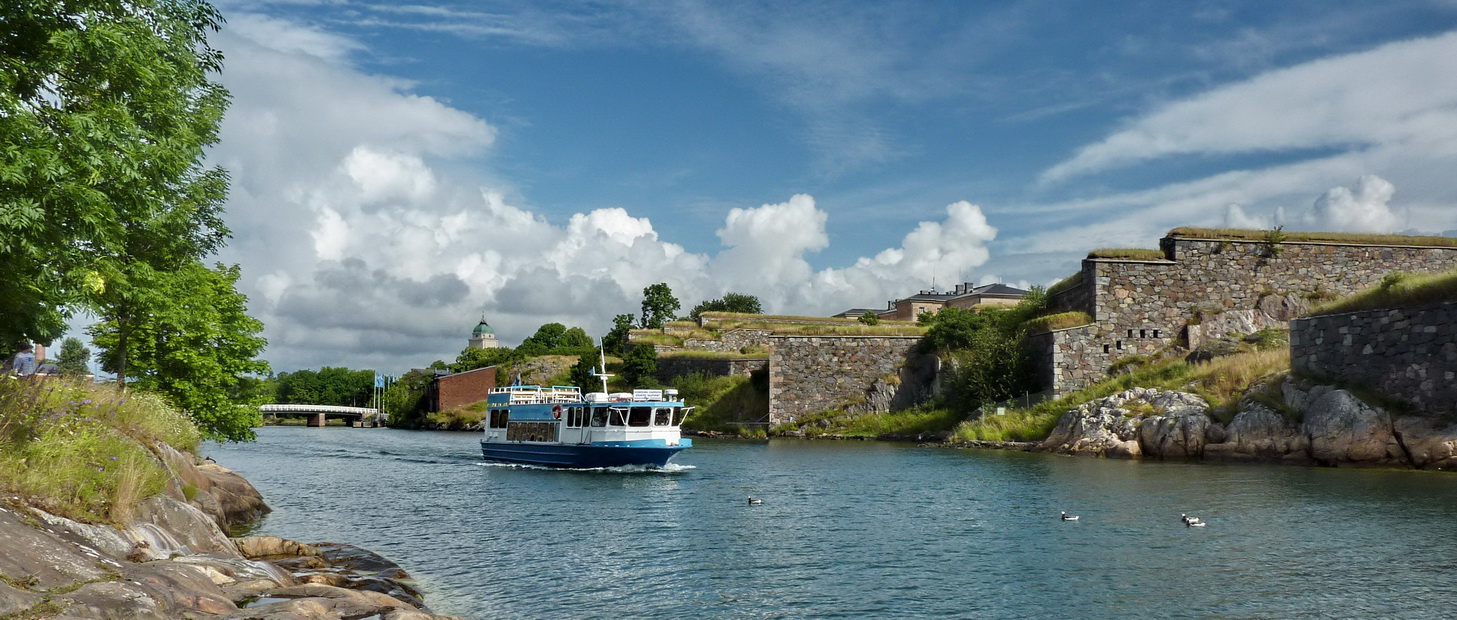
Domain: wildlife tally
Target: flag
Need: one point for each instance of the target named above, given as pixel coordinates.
(378, 379)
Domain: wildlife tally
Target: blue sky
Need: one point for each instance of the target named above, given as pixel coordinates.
(400, 170)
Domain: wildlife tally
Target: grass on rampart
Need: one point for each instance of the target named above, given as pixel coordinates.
(82, 451)
(1239, 234)
(721, 401)
(1220, 381)
(459, 418)
(1129, 254)
(693, 354)
(1061, 320)
(1065, 284)
(723, 320)
(905, 422)
(1396, 290)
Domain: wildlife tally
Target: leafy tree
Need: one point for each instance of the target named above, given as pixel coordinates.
(546, 338)
(640, 364)
(615, 342)
(404, 402)
(869, 318)
(193, 349)
(658, 305)
(577, 338)
(583, 374)
(328, 386)
(74, 358)
(989, 362)
(105, 110)
(471, 359)
(730, 302)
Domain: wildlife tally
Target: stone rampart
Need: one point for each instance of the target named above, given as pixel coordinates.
(670, 368)
(1140, 307)
(809, 374)
(1065, 359)
(1405, 353)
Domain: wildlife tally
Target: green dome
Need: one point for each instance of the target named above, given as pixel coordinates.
(483, 328)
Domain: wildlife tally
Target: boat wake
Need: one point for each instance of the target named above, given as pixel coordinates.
(670, 468)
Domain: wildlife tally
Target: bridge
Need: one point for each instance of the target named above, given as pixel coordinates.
(363, 417)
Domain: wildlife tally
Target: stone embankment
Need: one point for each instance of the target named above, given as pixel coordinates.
(1318, 425)
(173, 560)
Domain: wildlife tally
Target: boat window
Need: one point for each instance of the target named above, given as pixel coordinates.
(679, 413)
(499, 418)
(619, 417)
(531, 431)
(662, 416)
(599, 416)
(641, 416)
(576, 417)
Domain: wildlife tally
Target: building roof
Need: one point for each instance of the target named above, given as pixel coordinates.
(483, 328)
(997, 289)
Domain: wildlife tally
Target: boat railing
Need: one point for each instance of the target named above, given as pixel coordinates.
(535, 394)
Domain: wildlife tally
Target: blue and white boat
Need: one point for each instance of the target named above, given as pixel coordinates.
(558, 426)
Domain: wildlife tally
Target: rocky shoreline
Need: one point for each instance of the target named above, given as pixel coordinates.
(172, 559)
(1292, 423)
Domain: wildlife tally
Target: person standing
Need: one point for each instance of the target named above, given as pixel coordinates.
(23, 363)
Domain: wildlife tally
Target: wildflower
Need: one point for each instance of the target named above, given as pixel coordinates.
(113, 458)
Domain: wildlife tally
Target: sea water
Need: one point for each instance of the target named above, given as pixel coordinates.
(863, 530)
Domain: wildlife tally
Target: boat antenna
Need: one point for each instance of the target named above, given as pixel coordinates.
(602, 356)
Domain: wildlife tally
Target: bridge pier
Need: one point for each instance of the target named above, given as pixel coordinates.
(316, 420)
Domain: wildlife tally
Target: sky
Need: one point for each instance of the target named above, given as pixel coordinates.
(400, 171)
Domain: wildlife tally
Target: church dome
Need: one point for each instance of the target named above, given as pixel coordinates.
(483, 328)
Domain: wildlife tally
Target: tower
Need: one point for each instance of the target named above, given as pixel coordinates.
(482, 337)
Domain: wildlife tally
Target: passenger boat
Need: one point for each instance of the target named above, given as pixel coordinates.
(558, 426)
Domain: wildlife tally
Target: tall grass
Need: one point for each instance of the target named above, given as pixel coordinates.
(911, 421)
(1238, 234)
(1220, 381)
(1396, 290)
(1129, 254)
(82, 451)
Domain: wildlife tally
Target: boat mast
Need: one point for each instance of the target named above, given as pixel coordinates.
(602, 356)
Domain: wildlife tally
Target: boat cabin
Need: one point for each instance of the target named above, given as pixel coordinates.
(562, 414)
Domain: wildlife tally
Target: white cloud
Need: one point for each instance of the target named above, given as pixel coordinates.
(358, 251)
(1363, 209)
(1399, 93)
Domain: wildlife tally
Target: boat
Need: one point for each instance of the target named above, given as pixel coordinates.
(559, 426)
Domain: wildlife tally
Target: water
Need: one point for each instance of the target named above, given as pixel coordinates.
(864, 530)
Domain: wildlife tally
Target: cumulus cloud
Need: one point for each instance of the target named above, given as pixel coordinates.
(1363, 208)
(358, 251)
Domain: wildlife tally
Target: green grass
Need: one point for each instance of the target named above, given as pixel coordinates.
(1064, 284)
(1062, 320)
(694, 354)
(81, 451)
(1238, 234)
(654, 337)
(1396, 290)
(719, 402)
(906, 422)
(1129, 254)
(1220, 382)
(459, 418)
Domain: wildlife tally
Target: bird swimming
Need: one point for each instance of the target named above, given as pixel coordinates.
(754, 501)
(1188, 519)
(1068, 517)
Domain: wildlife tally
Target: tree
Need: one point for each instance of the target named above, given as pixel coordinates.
(471, 359)
(74, 358)
(404, 401)
(615, 342)
(730, 302)
(105, 110)
(640, 364)
(576, 338)
(194, 349)
(546, 338)
(328, 386)
(658, 305)
(584, 373)
(869, 318)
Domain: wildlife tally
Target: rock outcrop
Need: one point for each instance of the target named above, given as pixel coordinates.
(1314, 425)
(172, 560)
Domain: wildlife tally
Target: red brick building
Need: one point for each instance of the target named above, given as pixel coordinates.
(461, 389)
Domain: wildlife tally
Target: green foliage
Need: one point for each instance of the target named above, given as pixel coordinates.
(105, 110)
(1061, 320)
(640, 364)
(990, 363)
(556, 339)
(192, 349)
(907, 422)
(615, 342)
(327, 386)
(1129, 254)
(1238, 234)
(658, 305)
(721, 402)
(1396, 290)
(869, 318)
(404, 402)
(730, 302)
(1270, 245)
(582, 374)
(80, 450)
(1066, 284)
(74, 358)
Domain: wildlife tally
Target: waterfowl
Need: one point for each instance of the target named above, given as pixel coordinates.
(754, 501)
(1188, 519)
(1068, 517)
(1195, 523)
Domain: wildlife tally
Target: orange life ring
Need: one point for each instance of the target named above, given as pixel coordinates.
(556, 411)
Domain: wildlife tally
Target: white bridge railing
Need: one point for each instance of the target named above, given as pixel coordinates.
(365, 412)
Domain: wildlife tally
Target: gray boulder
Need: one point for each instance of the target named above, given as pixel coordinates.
(1343, 429)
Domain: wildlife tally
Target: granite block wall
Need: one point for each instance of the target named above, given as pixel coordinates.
(809, 374)
(1406, 353)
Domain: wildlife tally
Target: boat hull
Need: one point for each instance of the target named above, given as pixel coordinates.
(581, 456)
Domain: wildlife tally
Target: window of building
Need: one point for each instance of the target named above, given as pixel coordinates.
(1118, 345)
(1142, 333)
(1155, 333)
(1106, 348)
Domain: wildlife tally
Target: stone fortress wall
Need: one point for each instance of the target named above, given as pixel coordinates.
(809, 374)
(1410, 352)
(1142, 306)
(670, 368)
